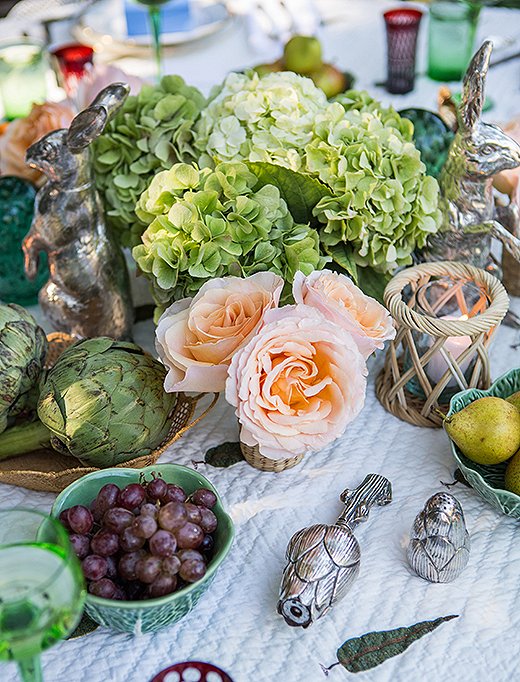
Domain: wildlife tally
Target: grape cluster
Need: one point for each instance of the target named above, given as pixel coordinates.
(143, 541)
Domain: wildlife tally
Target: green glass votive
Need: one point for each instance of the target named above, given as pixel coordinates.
(23, 70)
(452, 28)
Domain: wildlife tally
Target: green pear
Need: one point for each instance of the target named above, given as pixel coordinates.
(514, 400)
(263, 69)
(302, 54)
(512, 477)
(329, 79)
(487, 431)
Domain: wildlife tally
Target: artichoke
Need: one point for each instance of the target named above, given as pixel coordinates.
(23, 346)
(103, 402)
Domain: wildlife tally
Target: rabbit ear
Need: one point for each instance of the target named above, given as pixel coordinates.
(90, 123)
(473, 86)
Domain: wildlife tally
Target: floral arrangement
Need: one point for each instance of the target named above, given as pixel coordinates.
(20, 134)
(296, 375)
(151, 132)
(205, 223)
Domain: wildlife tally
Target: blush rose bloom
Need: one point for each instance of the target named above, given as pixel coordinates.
(297, 384)
(22, 133)
(343, 303)
(197, 337)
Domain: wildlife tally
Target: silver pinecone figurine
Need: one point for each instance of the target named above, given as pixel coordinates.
(439, 545)
(323, 560)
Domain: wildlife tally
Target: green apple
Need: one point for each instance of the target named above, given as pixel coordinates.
(302, 54)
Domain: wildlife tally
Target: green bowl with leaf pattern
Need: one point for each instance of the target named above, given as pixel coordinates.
(488, 481)
(149, 615)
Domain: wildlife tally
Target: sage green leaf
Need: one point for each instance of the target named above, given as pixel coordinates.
(85, 627)
(224, 455)
(373, 283)
(341, 254)
(300, 191)
(370, 650)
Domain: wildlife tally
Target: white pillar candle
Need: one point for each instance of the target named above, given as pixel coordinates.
(454, 345)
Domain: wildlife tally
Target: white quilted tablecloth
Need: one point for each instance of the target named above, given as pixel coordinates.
(235, 625)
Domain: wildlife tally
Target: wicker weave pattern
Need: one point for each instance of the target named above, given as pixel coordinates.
(255, 459)
(391, 383)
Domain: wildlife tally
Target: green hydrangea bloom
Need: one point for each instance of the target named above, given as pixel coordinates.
(151, 132)
(205, 223)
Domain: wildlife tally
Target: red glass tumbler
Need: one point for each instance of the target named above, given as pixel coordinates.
(402, 29)
(74, 61)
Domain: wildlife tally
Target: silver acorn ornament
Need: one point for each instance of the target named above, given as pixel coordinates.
(439, 545)
(323, 560)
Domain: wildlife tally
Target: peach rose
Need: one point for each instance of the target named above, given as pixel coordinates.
(196, 338)
(297, 384)
(23, 132)
(508, 181)
(343, 303)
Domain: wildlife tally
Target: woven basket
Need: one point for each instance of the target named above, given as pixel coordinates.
(255, 459)
(50, 471)
(391, 384)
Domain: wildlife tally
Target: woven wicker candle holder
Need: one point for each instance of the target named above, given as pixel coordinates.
(445, 314)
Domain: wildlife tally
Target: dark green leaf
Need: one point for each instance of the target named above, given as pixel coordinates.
(300, 191)
(373, 283)
(372, 649)
(224, 455)
(85, 627)
(341, 254)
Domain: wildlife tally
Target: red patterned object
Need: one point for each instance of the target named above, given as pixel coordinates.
(187, 672)
(402, 29)
(74, 61)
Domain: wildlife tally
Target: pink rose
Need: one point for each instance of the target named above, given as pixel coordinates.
(508, 181)
(196, 338)
(297, 383)
(343, 303)
(20, 135)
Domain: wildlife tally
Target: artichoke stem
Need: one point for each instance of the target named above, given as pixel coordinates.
(24, 438)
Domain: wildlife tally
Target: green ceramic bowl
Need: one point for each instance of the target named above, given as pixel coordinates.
(488, 481)
(152, 614)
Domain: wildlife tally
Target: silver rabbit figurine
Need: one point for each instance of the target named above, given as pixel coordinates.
(478, 151)
(439, 545)
(323, 560)
(88, 292)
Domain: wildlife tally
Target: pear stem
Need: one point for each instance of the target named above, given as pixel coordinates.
(441, 414)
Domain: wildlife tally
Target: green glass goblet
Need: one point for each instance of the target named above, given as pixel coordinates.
(42, 589)
(154, 10)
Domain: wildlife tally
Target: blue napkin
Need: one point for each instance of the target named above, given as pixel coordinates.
(175, 16)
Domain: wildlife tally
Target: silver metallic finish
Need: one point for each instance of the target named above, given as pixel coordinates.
(439, 545)
(478, 151)
(323, 561)
(88, 292)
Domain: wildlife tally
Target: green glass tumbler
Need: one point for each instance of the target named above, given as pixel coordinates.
(451, 37)
(23, 77)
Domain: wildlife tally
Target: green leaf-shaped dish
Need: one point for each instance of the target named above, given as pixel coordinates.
(149, 615)
(488, 481)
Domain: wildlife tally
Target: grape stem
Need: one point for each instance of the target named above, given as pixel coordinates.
(24, 438)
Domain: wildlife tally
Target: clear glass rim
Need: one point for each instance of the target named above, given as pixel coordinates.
(446, 279)
(62, 535)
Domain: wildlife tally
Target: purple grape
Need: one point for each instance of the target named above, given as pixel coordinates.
(117, 519)
(94, 567)
(162, 543)
(144, 526)
(174, 494)
(107, 498)
(129, 541)
(105, 542)
(163, 584)
(134, 590)
(128, 563)
(189, 555)
(64, 518)
(156, 489)
(103, 588)
(192, 570)
(80, 519)
(208, 521)
(173, 516)
(111, 567)
(170, 565)
(148, 568)
(149, 509)
(207, 544)
(132, 496)
(189, 536)
(204, 497)
(81, 544)
(120, 594)
(193, 513)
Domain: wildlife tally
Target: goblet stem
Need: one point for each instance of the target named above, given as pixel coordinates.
(155, 21)
(31, 669)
